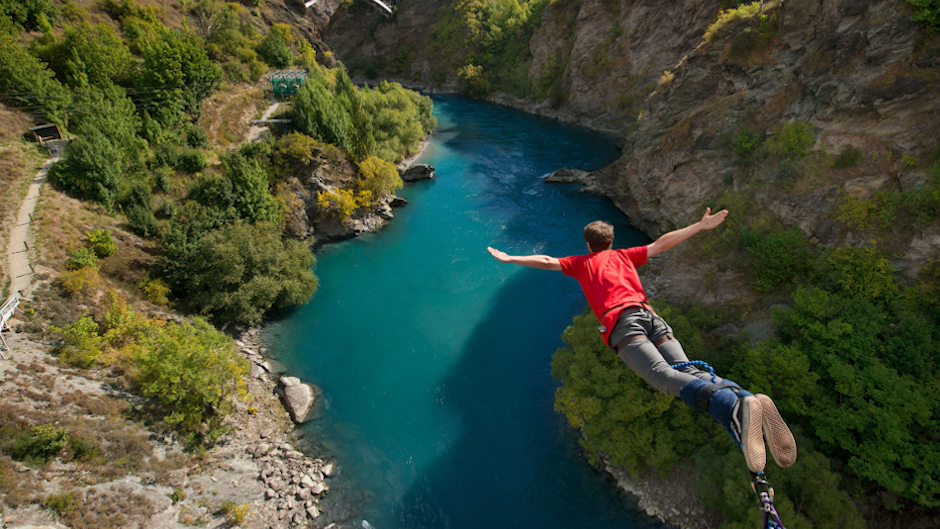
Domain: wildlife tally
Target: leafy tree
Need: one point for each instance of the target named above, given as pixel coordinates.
(178, 69)
(192, 372)
(250, 195)
(378, 177)
(400, 119)
(318, 113)
(387, 121)
(106, 148)
(239, 272)
(91, 168)
(274, 49)
(29, 14)
(26, 82)
(91, 54)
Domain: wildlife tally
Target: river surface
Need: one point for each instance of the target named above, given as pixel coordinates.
(434, 358)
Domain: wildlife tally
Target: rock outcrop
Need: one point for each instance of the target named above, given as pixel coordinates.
(418, 172)
(298, 397)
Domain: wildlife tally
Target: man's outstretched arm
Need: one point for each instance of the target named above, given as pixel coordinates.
(671, 239)
(542, 262)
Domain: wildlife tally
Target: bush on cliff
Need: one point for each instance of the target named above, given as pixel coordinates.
(238, 272)
(190, 372)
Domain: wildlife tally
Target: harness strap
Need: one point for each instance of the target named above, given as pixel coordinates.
(682, 365)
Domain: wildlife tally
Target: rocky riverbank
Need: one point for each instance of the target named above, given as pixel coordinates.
(132, 476)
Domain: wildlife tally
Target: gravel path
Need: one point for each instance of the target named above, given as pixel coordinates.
(17, 247)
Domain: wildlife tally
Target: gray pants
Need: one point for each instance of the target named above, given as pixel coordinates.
(633, 338)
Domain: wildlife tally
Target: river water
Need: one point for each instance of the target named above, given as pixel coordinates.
(434, 358)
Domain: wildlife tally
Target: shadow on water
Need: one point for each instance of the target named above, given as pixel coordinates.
(503, 470)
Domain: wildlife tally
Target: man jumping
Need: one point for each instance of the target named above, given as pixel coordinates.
(644, 341)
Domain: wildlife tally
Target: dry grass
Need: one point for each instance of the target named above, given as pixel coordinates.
(98, 509)
(226, 114)
(61, 225)
(97, 405)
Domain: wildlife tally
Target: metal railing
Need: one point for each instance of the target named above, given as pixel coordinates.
(6, 312)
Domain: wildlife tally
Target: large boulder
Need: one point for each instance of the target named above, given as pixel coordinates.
(418, 172)
(298, 397)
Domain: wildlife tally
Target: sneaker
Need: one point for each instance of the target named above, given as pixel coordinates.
(745, 426)
(780, 441)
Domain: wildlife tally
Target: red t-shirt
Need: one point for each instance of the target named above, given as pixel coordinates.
(609, 279)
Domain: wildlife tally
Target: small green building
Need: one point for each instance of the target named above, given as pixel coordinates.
(287, 82)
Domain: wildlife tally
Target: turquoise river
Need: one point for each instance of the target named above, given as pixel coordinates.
(434, 358)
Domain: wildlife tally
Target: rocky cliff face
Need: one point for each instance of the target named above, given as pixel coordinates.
(859, 72)
(606, 56)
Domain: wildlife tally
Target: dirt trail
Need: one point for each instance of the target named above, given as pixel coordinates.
(18, 245)
(256, 130)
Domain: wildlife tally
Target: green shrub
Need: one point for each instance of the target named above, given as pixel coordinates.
(142, 221)
(239, 272)
(234, 513)
(378, 177)
(39, 445)
(792, 140)
(746, 143)
(101, 242)
(83, 450)
(928, 12)
(191, 161)
(63, 503)
(849, 156)
(274, 50)
(863, 272)
(776, 258)
(197, 137)
(80, 258)
(81, 345)
(192, 373)
(156, 291)
(79, 282)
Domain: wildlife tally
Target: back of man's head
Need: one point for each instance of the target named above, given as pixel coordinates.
(599, 235)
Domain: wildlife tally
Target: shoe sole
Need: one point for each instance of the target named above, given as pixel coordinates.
(780, 440)
(752, 442)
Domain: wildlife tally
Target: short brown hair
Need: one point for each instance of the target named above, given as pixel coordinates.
(599, 235)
